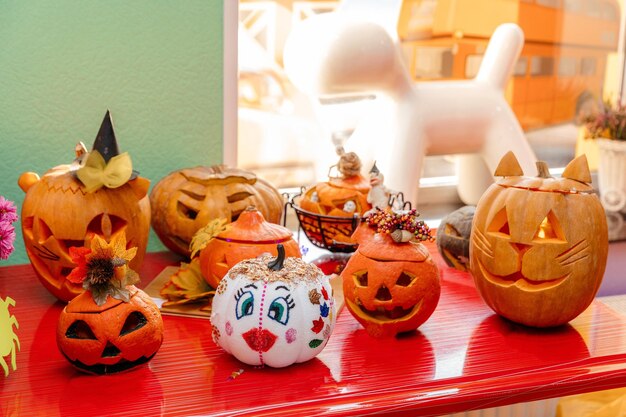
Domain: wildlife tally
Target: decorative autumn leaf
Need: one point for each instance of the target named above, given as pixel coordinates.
(187, 286)
(206, 234)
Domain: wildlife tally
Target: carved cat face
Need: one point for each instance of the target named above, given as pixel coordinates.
(539, 245)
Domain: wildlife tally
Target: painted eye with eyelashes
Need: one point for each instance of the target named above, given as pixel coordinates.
(245, 303)
(279, 309)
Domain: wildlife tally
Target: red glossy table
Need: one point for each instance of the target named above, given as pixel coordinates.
(464, 357)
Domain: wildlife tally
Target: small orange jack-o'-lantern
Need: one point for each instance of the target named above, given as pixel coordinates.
(248, 237)
(342, 196)
(328, 212)
(59, 213)
(186, 200)
(113, 326)
(390, 287)
(111, 338)
(539, 244)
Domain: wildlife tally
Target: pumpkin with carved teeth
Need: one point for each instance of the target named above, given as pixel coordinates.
(186, 200)
(59, 213)
(115, 337)
(539, 245)
(390, 287)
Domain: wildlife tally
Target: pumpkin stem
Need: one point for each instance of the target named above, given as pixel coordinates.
(542, 170)
(277, 263)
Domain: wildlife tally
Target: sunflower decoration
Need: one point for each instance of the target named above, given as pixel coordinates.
(103, 268)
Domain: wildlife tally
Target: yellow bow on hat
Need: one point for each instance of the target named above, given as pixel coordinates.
(96, 173)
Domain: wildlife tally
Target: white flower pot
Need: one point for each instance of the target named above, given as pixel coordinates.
(612, 173)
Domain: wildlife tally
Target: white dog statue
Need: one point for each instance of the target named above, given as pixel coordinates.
(347, 56)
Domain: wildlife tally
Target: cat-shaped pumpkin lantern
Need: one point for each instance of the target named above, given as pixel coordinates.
(539, 245)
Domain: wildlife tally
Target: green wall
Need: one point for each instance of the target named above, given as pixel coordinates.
(156, 64)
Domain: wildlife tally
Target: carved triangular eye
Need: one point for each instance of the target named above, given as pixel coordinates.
(500, 223)
(451, 230)
(134, 321)
(405, 279)
(360, 279)
(80, 330)
(549, 228)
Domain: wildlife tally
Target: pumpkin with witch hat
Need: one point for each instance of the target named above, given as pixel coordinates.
(98, 194)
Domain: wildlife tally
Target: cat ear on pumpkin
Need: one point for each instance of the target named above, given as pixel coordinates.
(508, 166)
(578, 170)
(140, 186)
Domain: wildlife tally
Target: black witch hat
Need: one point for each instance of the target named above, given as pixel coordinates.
(106, 142)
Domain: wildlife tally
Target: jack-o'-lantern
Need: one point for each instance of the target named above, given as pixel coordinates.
(341, 196)
(60, 212)
(112, 326)
(273, 311)
(186, 200)
(391, 284)
(453, 236)
(329, 212)
(247, 237)
(539, 244)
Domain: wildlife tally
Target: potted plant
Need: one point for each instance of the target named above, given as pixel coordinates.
(606, 125)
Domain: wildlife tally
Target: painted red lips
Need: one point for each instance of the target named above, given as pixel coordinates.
(259, 340)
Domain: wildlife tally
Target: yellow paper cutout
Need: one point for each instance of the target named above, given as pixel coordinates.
(96, 173)
(9, 342)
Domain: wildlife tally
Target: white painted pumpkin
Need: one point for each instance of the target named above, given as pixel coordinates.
(273, 317)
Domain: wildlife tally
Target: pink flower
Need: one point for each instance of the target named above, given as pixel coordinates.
(7, 236)
(8, 212)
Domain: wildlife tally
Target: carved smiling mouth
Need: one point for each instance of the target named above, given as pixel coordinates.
(518, 280)
(382, 315)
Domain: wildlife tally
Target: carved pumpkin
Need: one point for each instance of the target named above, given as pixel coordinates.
(186, 200)
(58, 213)
(273, 311)
(114, 337)
(247, 237)
(539, 244)
(329, 211)
(390, 287)
(453, 236)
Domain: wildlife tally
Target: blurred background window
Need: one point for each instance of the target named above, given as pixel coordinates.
(570, 59)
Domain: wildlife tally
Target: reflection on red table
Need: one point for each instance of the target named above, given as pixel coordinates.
(464, 357)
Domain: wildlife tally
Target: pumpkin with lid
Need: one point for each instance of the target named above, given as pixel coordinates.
(247, 237)
(273, 311)
(329, 212)
(539, 245)
(186, 200)
(99, 194)
(391, 284)
(342, 196)
(112, 326)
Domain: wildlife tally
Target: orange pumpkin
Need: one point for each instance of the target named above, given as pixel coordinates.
(186, 200)
(114, 337)
(539, 245)
(390, 287)
(328, 212)
(58, 214)
(247, 237)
